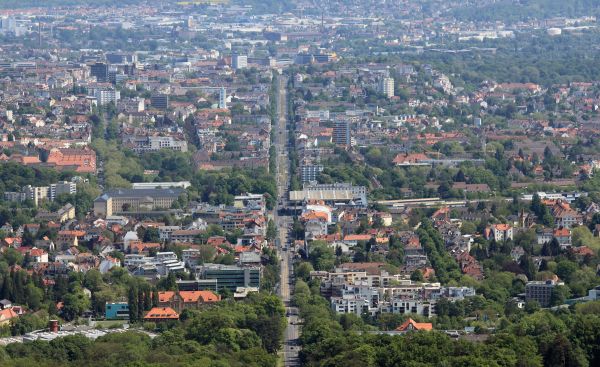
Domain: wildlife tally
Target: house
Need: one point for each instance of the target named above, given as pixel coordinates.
(6, 315)
(38, 255)
(563, 236)
(67, 239)
(414, 159)
(354, 239)
(499, 232)
(564, 215)
(160, 314)
(412, 325)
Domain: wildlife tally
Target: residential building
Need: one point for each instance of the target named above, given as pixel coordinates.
(36, 194)
(386, 87)
(64, 187)
(239, 61)
(105, 96)
(540, 291)
(341, 132)
(500, 232)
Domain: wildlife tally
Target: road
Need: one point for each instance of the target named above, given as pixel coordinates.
(292, 332)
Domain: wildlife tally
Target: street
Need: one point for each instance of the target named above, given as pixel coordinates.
(285, 252)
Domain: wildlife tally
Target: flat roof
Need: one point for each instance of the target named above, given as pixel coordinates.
(327, 195)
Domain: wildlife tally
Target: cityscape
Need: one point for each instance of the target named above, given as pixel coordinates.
(300, 183)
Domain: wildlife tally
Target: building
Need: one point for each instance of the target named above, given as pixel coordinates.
(182, 300)
(230, 276)
(121, 201)
(116, 311)
(79, 160)
(331, 194)
(64, 187)
(222, 98)
(540, 291)
(100, 71)
(141, 144)
(310, 172)
(412, 325)
(341, 133)
(161, 314)
(239, 61)
(386, 87)
(160, 185)
(500, 232)
(121, 58)
(106, 96)
(36, 194)
(160, 101)
(185, 235)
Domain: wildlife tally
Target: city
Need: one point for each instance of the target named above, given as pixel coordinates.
(299, 183)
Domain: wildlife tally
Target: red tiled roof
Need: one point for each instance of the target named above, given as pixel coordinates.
(162, 313)
(411, 324)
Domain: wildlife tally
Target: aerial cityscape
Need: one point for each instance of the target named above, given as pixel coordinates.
(285, 183)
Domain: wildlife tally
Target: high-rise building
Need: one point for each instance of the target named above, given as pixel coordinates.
(106, 96)
(100, 71)
(341, 132)
(160, 101)
(239, 61)
(222, 98)
(64, 187)
(386, 86)
(36, 194)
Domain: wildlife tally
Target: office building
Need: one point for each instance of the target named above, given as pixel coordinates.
(229, 276)
(341, 133)
(116, 311)
(386, 87)
(239, 61)
(121, 201)
(100, 71)
(160, 101)
(121, 58)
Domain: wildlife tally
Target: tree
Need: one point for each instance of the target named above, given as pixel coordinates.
(303, 270)
(416, 276)
(271, 230)
(75, 303)
(133, 303)
(559, 295)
